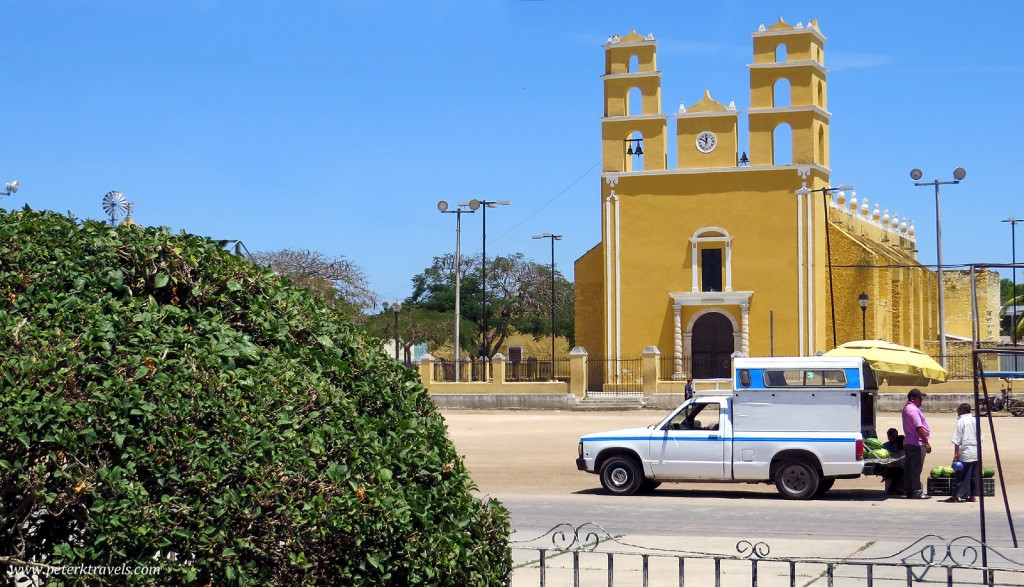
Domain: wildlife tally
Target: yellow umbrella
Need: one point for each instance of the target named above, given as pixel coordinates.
(898, 364)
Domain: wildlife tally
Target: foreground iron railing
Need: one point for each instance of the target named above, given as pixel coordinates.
(589, 555)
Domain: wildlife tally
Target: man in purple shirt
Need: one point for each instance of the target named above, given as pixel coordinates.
(915, 444)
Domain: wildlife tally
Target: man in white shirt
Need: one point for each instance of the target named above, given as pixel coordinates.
(965, 450)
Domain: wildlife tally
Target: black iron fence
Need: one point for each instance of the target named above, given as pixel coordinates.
(533, 369)
(588, 555)
(620, 376)
(477, 369)
(674, 368)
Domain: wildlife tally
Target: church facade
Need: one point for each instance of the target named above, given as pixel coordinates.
(710, 250)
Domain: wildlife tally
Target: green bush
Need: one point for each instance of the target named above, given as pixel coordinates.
(160, 397)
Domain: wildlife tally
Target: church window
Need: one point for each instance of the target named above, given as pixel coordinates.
(634, 64)
(633, 151)
(634, 102)
(711, 260)
(780, 93)
(782, 145)
(780, 53)
(711, 269)
(821, 144)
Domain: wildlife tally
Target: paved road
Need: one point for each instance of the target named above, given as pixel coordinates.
(526, 459)
(852, 515)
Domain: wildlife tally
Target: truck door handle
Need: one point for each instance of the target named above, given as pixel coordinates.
(712, 436)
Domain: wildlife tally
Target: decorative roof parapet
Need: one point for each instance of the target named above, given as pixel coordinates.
(862, 212)
(632, 37)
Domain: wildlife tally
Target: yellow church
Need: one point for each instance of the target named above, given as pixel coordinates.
(711, 250)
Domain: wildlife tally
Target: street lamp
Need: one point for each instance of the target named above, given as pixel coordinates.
(553, 237)
(958, 175)
(863, 299)
(475, 204)
(396, 308)
(458, 212)
(1013, 298)
(10, 187)
(826, 195)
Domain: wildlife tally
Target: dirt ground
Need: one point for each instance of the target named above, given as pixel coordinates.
(533, 452)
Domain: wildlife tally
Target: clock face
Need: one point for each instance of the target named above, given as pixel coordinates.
(706, 141)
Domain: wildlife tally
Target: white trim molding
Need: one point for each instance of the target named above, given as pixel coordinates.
(715, 302)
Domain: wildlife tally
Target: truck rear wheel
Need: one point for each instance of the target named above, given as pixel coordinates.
(649, 485)
(621, 475)
(823, 486)
(796, 479)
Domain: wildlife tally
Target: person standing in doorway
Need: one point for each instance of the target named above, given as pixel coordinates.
(688, 390)
(915, 444)
(965, 450)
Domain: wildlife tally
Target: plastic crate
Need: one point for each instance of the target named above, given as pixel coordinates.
(947, 486)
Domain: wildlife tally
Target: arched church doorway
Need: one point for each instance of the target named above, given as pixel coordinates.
(713, 345)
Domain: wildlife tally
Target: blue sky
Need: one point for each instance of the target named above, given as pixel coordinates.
(337, 126)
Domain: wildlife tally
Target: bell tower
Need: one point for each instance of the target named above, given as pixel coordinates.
(787, 92)
(633, 128)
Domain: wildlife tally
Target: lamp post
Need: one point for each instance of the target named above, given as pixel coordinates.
(863, 299)
(475, 204)
(458, 212)
(1013, 297)
(553, 237)
(826, 195)
(958, 175)
(10, 187)
(396, 308)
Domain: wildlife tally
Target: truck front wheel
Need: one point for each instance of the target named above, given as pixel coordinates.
(796, 479)
(621, 476)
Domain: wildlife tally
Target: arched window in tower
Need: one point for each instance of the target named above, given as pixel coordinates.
(633, 152)
(634, 64)
(634, 102)
(821, 95)
(782, 145)
(780, 93)
(780, 53)
(822, 147)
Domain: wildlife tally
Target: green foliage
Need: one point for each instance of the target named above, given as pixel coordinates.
(518, 298)
(1009, 301)
(160, 397)
(415, 325)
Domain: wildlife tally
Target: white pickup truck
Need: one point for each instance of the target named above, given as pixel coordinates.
(797, 422)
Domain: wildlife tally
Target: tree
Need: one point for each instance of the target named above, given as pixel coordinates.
(518, 299)
(1009, 298)
(166, 403)
(415, 325)
(335, 279)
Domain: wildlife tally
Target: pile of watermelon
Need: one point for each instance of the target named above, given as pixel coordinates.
(873, 449)
(947, 471)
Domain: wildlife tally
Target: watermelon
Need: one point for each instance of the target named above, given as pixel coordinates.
(881, 453)
(873, 443)
(948, 471)
(988, 472)
(936, 472)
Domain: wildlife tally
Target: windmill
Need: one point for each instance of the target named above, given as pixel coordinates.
(116, 205)
(10, 187)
